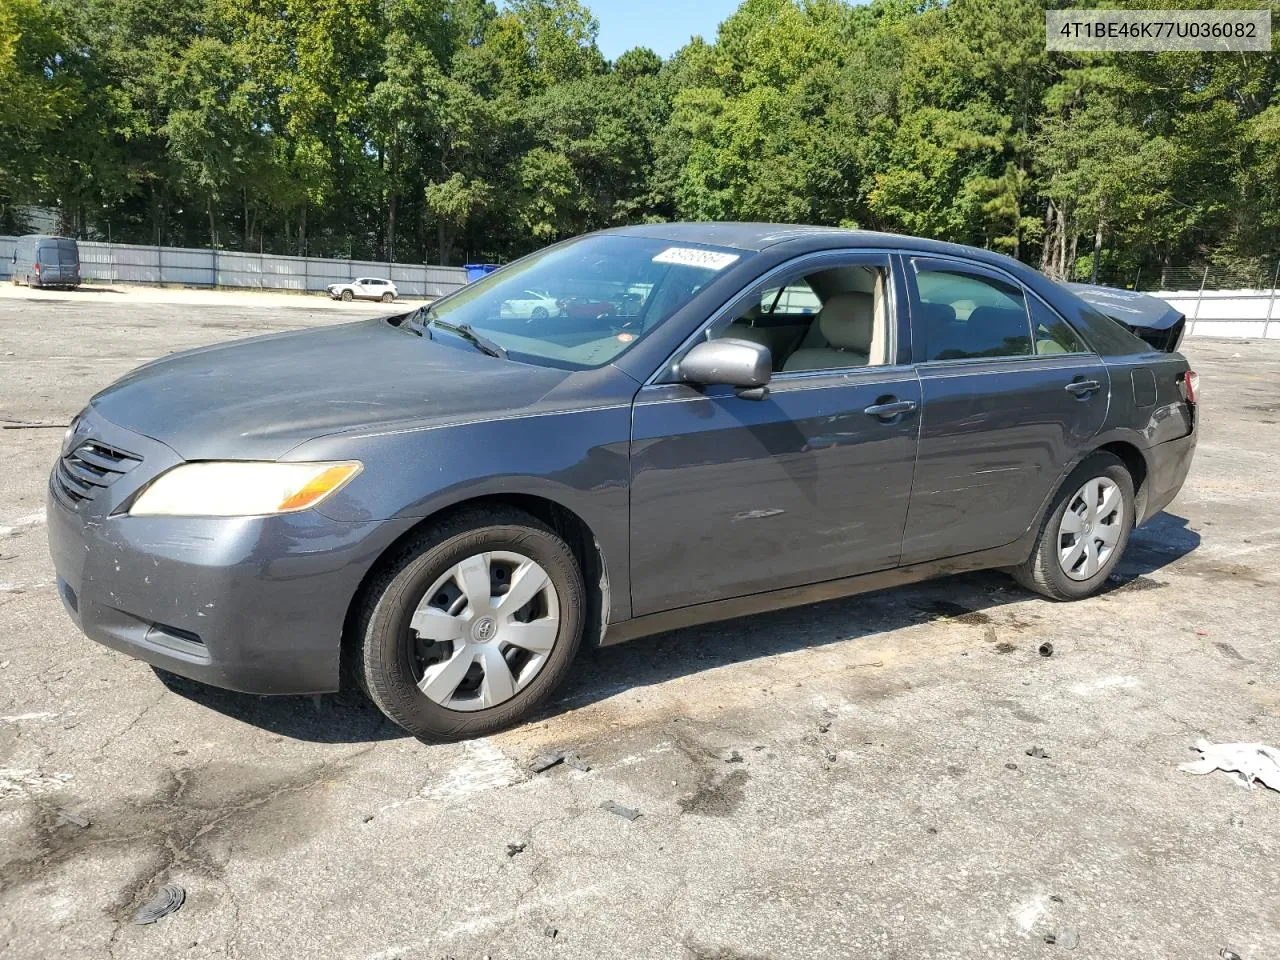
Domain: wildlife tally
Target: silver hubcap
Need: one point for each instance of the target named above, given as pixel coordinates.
(1090, 528)
(484, 630)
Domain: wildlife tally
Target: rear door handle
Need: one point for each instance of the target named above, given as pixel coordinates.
(891, 409)
(1081, 387)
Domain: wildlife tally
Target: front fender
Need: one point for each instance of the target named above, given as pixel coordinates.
(576, 459)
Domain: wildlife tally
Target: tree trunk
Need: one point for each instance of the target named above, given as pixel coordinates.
(1017, 229)
(156, 205)
(1046, 253)
(391, 228)
(391, 202)
(1097, 252)
(1070, 270)
(1061, 269)
(442, 243)
(213, 227)
(302, 232)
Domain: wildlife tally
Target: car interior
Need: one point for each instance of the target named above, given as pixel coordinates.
(966, 316)
(825, 320)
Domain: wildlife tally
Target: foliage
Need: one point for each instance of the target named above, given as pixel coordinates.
(455, 130)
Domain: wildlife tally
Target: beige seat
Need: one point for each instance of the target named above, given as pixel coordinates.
(847, 324)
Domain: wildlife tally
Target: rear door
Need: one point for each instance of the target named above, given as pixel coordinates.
(48, 259)
(68, 261)
(1011, 397)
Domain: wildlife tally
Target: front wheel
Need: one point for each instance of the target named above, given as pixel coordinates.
(1085, 533)
(347, 296)
(471, 626)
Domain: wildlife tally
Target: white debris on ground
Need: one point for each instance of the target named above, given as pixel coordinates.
(1030, 912)
(1246, 762)
(21, 525)
(30, 781)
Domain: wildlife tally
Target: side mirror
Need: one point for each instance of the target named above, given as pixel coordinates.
(738, 363)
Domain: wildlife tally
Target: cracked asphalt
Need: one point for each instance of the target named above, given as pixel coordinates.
(844, 780)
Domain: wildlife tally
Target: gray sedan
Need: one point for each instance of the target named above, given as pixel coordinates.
(448, 503)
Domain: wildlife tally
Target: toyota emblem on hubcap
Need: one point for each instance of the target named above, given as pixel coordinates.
(484, 629)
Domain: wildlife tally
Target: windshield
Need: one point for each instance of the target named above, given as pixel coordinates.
(583, 304)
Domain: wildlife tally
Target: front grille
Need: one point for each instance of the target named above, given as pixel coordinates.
(90, 467)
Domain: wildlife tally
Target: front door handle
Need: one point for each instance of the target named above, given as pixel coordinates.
(890, 409)
(1081, 387)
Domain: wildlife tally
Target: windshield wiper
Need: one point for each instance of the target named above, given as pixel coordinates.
(468, 333)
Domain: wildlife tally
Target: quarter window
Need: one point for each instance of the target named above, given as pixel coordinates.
(796, 298)
(1053, 334)
(966, 316)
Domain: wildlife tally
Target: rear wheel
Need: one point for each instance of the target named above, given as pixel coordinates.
(471, 625)
(388, 297)
(347, 296)
(1085, 533)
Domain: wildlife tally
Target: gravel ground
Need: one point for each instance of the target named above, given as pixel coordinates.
(844, 780)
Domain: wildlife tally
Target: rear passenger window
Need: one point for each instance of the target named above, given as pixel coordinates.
(1053, 334)
(965, 316)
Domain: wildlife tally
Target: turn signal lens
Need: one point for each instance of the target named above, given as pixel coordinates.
(242, 489)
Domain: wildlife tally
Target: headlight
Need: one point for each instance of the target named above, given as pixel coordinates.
(242, 489)
(70, 434)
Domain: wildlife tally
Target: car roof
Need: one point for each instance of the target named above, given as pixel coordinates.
(759, 236)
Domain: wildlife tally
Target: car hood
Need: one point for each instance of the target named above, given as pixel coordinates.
(257, 399)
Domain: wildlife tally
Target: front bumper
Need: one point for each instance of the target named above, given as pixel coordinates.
(254, 604)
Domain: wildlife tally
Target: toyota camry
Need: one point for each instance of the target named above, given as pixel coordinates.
(444, 505)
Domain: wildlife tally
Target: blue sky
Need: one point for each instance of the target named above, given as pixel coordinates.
(663, 25)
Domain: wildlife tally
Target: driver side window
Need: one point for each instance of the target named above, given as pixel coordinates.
(823, 320)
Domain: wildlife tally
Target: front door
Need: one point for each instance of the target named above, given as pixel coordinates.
(1011, 398)
(732, 496)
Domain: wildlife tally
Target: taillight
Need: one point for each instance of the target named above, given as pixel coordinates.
(1189, 383)
(37, 266)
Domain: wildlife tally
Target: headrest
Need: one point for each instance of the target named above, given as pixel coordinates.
(938, 314)
(848, 321)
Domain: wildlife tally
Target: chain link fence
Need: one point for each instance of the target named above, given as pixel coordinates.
(1261, 276)
(1219, 300)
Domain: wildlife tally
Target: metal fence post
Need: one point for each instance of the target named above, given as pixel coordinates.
(1271, 304)
(1191, 327)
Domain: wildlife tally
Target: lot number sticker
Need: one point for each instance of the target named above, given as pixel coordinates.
(693, 257)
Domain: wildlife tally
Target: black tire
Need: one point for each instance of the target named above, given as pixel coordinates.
(347, 296)
(388, 297)
(382, 645)
(1042, 573)
(538, 313)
